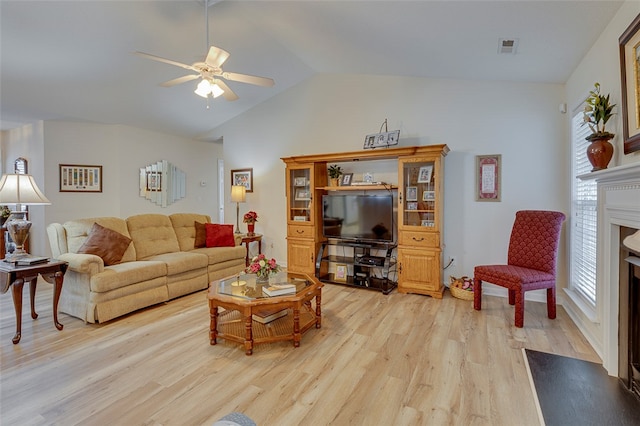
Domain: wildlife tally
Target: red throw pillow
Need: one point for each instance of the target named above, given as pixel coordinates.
(220, 235)
(106, 243)
(201, 235)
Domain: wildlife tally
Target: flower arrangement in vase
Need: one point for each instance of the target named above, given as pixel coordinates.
(250, 218)
(597, 111)
(262, 267)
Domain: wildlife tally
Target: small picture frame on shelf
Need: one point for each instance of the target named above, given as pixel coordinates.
(426, 222)
(300, 181)
(428, 195)
(341, 273)
(302, 195)
(299, 218)
(346, 179)
(412, 206)
(424, 174)
(412, 193)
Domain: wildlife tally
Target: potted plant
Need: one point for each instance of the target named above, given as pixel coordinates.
(597, 111)
(5, 212)
(335, 171)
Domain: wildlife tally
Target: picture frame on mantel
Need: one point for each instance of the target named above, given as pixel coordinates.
(630, 82)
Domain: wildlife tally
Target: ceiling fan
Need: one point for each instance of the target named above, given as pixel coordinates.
(210, 71)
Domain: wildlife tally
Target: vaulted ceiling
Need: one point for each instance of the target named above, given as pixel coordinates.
(73, 59)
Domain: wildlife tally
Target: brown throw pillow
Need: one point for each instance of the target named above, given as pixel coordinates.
(220, 235)
(106, 243)
(201, 235)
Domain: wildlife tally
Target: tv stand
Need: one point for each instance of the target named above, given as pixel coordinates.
(358, 264)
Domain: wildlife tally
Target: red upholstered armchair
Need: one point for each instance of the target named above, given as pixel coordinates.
(531, 263)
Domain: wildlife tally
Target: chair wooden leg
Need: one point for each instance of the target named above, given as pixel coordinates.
(512, 297)
(551, 302)
(477, 294)
(519, 299)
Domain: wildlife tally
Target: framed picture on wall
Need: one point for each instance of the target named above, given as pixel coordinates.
(243, 177)
(488, 177)
(80, 178)
(630, 73)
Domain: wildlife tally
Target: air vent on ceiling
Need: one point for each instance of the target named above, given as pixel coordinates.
(507, 46)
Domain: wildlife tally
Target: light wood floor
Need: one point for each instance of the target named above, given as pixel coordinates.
(378, 360)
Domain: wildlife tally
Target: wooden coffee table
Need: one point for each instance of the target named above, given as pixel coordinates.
(242, 297)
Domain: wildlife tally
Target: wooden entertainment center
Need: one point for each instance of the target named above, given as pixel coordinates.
(414, 176)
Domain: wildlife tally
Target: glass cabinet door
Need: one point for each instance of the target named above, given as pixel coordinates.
(300, 194)
(418, 197)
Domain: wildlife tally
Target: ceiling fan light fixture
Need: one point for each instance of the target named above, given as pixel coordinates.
(216, 90)
(203, 89)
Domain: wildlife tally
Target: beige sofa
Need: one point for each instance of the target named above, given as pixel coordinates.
(159, 264)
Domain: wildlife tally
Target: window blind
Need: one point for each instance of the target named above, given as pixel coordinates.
(584, 214)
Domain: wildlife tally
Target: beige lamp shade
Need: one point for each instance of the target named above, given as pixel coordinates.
(238, 193)
(21, 189)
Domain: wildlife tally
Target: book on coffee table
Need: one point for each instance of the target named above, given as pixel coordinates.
(279, 289)
(269, 315)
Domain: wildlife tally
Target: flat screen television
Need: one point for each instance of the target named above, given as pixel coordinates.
(366, 218)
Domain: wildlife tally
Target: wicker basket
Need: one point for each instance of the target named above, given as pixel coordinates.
(461, 294)
(456, 288)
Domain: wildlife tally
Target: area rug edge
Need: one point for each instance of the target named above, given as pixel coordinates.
(533, 387)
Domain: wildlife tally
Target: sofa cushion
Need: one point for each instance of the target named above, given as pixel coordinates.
(222, 254)
(201, 235)
(182, 261)
(220, 235)
(152, 234)
(185, 228)
(105, 243)
(125, 274)
(78, 230)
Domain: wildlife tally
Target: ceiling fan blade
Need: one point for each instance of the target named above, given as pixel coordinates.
(179, 80)
(166, 61)
(228, 93)
(250, 79)
(216, 57)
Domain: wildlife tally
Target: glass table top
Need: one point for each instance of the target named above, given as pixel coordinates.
(246, 287)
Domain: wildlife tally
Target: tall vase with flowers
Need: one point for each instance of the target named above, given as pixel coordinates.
(250, 218)
(597, 111)
(262, 267)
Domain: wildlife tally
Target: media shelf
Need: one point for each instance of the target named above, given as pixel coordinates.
(357, 264)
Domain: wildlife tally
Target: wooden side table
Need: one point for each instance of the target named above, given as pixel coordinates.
(246, 239)
(15, 277)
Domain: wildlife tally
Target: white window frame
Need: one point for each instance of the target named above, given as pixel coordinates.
(583, 235)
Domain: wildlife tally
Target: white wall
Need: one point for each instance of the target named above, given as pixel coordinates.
(602, 64)
(122, 151)
(333, 113)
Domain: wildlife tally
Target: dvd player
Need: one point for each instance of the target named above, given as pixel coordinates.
(371, 260)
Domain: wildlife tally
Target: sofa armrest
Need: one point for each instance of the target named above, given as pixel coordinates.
(83, 263)
(238, 239)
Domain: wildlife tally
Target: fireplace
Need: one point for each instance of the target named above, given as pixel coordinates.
(618, 217)
(629, 306)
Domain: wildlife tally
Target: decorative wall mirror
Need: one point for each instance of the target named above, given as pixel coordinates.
(162, 183)
(20, 166)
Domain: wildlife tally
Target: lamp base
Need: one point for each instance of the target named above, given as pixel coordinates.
(18, 228)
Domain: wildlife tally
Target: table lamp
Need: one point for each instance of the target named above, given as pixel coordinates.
(20, 190)
(238, 194)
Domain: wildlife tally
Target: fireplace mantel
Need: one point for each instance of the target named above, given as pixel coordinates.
(618, 205)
